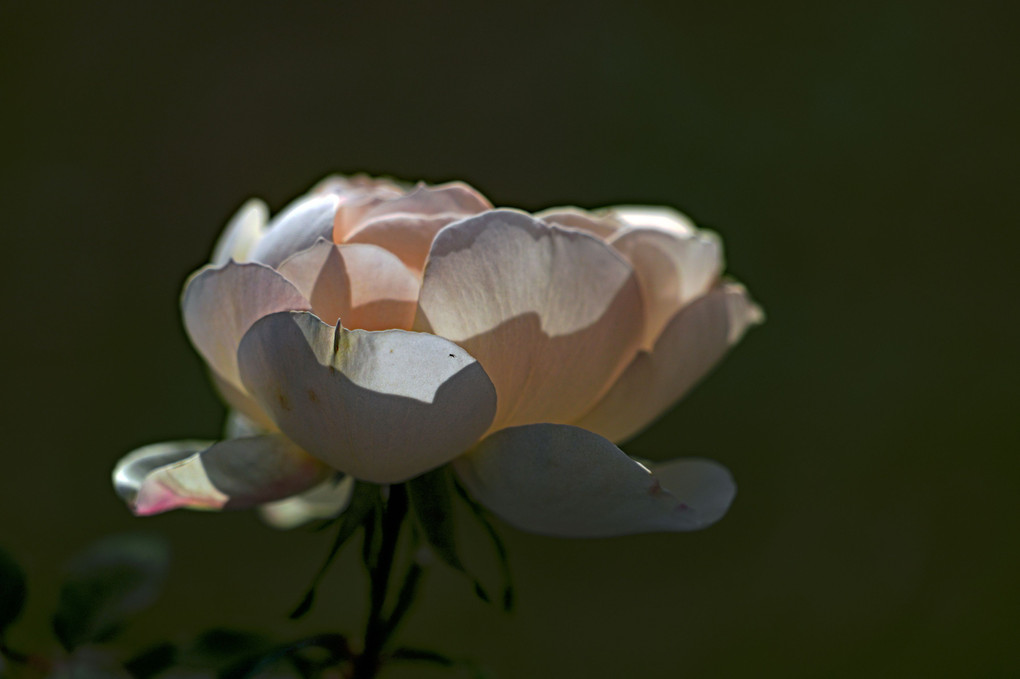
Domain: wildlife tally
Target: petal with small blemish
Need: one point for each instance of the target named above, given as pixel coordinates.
(552, 314)
(568, 482)
(380, 406)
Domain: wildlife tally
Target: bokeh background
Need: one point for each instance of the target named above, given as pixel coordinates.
(859, 159)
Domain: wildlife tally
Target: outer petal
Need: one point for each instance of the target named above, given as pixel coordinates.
(308, 219)
(552, 314)
(673, 268)
(326, 500)
(381, 406)
(242, 233)
(690, 345)
(363, 285)
(220, 304)
(233, 474)
(566, 481)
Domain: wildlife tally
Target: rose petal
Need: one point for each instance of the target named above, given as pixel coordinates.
(666, 218)
(690, 345)
(242, 233)
(425, 201)
(305, 221)
(325, 501)
(381, 406)
(601, 225)
(363, 285)
(553, 315)
(673, 269)
(408, 236)
(220, 304)
(566, 481)
(233, 474)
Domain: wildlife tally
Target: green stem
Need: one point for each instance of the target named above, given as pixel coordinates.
(378, 628)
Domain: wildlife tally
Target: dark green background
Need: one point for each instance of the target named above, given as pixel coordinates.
(859, 159)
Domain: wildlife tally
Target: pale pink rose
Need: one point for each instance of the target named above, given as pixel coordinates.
(382, 330)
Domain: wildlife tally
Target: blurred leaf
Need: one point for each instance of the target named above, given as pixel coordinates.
(107, 584)
(482, 515)
(293, 659)
(152, 661)
(364, 503)
(13, 590)
(432, 504)
(422, 656)
(89, 663)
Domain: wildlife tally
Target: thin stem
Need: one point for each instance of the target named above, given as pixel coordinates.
(378, 629)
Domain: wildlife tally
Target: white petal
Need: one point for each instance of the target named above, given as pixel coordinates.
(220, 304)
(297, 228)
(665, 218)
(601, 225)
(552, 314)
(325, 501)
(365, 286)
(233, 474)
(701, 483)
(242, 233)
(381, 406)
(673, 269)
(691, 344)
(566, 481)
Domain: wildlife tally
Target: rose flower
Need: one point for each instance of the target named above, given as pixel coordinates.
(383, 330)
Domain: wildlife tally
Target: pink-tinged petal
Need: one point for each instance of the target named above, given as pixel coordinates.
(364, 286)
(700, 483)
(380, 406)
(645, 216)
(234, 474)
(297, 228)
(697, 337)
(568, 482)
(220, 304)
(553, 315)
(673, 269)
(425, 201)
(603, 225)
(408, 236)
(243, 232)
(327, 500)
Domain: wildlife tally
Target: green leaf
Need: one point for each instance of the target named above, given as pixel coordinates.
(364, 504)
(13, 590)
(432, 505)
(108, 583)
(482, 515)
(433, 513)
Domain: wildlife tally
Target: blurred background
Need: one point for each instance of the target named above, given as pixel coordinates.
(858, 158)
